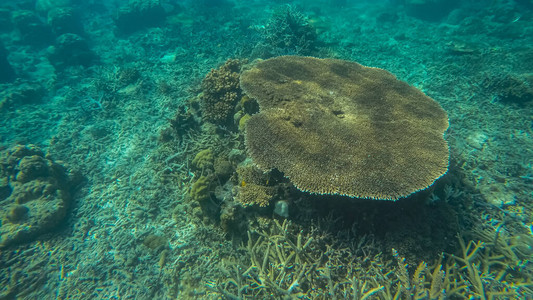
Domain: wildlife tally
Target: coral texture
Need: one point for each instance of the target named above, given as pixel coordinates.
(200, 189)
(289, 30)
(203, 159)
(337, 127)
(220, 92)
(34, 194)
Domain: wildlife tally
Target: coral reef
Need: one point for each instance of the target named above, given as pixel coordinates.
(150, 224)
(34, 194)
(31, 30)
(220, 93)
(336, 127)
(139, 14)
(70, 50)
(7, 74)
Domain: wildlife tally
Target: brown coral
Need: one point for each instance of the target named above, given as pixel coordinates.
(253, 194)
(337, 127)
(253, 185)
(220, 92)
(34, 194)
(203, 159)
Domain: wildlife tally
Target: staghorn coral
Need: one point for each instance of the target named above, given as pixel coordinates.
(220, 92)
(285, 263)
(337, 127)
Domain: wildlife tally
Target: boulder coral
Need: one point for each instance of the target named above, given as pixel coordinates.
(34, 194)
(200, 189)
(337, 127)
(71, 50)
(203, 159)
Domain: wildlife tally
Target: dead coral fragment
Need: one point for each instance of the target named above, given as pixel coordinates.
(337, 127)
(154, 242)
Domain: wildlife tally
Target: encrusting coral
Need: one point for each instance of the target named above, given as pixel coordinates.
(337, 127)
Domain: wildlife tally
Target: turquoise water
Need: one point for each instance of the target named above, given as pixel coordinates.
(128, 168)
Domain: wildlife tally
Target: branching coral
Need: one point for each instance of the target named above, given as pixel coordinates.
(289, 31)
(284, 263)
(477, 272)
(278, 267)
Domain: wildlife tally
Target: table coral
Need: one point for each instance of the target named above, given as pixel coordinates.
(337, 127)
